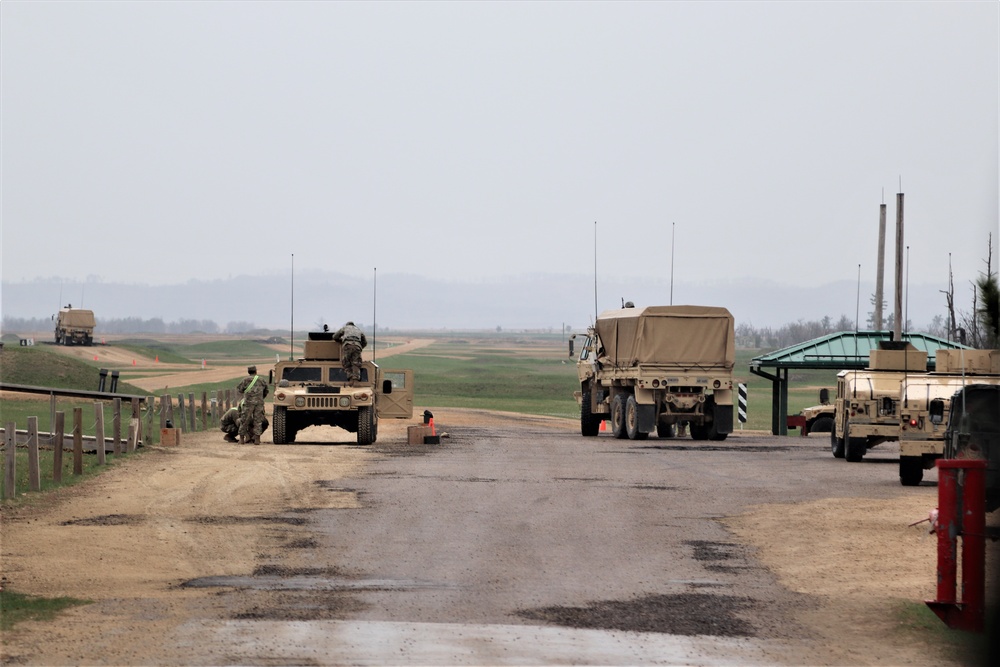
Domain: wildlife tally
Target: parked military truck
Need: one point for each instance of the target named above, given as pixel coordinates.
(314, 390)
(819, 418)
(655, 368)
(925, 406)
(866, 410)
(974, 433)
(74, 326)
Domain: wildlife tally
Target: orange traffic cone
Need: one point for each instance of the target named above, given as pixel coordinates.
(95, 357)
(157, 359)
(604, 425)
(431, 423)
(133, 362)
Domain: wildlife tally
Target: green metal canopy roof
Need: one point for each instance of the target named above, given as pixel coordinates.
(846, 349)
(840, 351)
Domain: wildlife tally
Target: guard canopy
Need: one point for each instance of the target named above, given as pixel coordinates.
(678, 336)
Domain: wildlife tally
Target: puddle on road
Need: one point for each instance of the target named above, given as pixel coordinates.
(677, 614)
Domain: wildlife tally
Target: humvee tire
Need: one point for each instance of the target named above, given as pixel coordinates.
(366, 425)
(836, 444)
(278, 435)
(822, 425)
(911, 470)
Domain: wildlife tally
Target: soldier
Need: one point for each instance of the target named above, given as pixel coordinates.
(352, 340)
(254, 390)
(230, 424)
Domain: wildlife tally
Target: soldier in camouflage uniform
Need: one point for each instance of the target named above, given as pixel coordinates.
(254, 390)
(352, 340)
(230, 424)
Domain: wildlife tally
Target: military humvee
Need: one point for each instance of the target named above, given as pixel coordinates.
(314, 391)
(74, 326)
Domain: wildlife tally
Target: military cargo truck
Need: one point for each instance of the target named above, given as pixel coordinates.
(74, 326)
(866, 410)
(974, 433)
(315, 390)
(925, 402)
(655, 369)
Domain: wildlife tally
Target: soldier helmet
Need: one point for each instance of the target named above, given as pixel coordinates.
(351, 324)
(251, 369)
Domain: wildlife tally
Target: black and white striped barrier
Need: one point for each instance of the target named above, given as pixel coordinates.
(741, 408)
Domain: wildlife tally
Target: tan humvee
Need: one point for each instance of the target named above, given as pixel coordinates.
(74, 326)
(314, 390)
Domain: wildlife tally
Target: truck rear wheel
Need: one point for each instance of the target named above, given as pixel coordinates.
(911, 470)
(618, 417)
(278, 427)
(589, 422)
(632, 420)
(366, 425)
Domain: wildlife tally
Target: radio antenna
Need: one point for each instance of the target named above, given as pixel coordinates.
(673, 229)
(374, 305)
(857, 316)
(291, 328)
(595, 270)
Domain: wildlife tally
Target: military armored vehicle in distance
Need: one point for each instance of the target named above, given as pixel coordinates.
(974, 433)
(655, 368)
(74, 326)
(866, 410)
(315, 391)
(926, 404)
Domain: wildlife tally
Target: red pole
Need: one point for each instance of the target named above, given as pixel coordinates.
(965, 517)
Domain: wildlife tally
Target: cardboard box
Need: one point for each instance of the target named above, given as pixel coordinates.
(170, 437)
(415, 434)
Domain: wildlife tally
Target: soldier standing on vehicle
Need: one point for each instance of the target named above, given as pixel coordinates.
(352, 340)
(254, 390)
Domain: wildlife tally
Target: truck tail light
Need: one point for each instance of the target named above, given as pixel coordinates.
(913, 422)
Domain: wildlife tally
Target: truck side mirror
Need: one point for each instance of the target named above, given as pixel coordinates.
(270, 376)
(570, 348)
(824, 396)
(936, 411)
(386, 386)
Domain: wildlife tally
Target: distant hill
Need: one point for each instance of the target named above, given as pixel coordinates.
(538, 301)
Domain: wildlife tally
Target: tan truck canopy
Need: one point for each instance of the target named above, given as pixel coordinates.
(683, 336)
(76, 318)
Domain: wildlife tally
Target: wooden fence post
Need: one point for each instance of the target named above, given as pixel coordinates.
(10, 451)
(52, 418)
(204, 411)
(191, 413)
(34, 474)
(99, 432)
(57, 453)
(170, 409)
(77, 441)
(164, 400)
(182, 412)
(116, 425)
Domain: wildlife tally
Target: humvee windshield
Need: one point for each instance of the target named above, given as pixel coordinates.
(302, 373)
(315, 374)
(338, 375)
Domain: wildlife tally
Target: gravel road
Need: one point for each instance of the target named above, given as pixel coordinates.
(515, 541)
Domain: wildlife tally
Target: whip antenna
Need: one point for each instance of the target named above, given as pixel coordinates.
(595, 270)
(374, 304)
(291, 328)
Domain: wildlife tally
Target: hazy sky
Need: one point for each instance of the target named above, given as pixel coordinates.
(160, 142)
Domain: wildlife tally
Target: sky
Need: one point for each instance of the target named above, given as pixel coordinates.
(163, 142)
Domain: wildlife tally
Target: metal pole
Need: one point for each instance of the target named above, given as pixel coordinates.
(880, 271)
(897, 325)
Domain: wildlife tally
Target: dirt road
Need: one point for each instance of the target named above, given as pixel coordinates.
(515, 541)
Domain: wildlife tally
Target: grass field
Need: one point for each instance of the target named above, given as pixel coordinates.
(518, 373)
